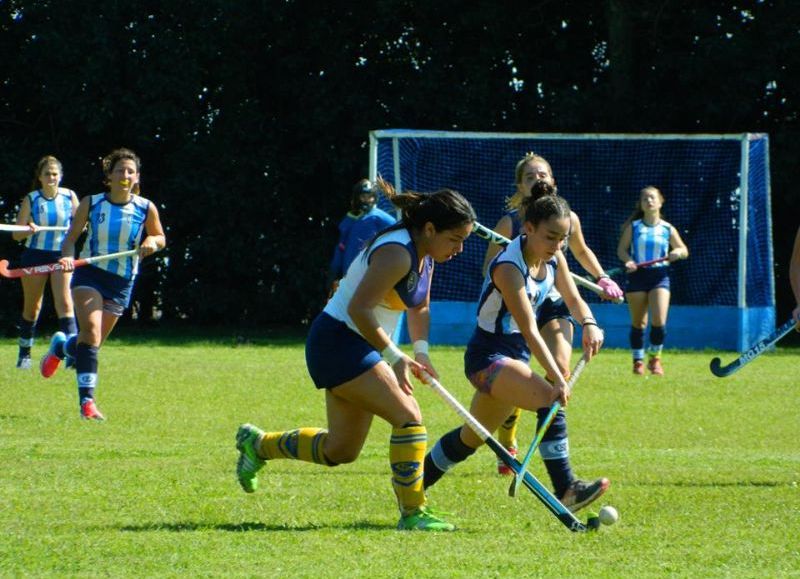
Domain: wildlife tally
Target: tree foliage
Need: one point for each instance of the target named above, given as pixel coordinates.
(252, 116)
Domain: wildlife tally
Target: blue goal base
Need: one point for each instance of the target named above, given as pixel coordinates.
(688, 327)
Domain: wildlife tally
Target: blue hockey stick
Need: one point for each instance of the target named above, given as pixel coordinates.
(512, 490)
(562, 513)
(722, 371)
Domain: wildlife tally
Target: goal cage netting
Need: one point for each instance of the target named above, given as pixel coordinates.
(717, 194)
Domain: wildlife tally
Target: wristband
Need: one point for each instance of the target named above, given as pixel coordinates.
(392, 353)
(421, 347)
(590, 323)
(603, 276)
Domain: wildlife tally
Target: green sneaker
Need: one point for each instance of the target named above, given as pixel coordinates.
(249, 462)
(424, 519)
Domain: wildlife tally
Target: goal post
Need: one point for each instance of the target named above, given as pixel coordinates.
(717, 194)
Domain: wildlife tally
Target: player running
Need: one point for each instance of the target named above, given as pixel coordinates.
(497, 360)
(350, 355)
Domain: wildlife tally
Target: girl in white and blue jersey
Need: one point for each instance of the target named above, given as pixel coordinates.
(498, 354)
(645, 237)
(117, 220)
(350, 355)
(533, 177)
(48, 205)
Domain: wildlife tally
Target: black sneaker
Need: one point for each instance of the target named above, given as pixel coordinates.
(580, 493)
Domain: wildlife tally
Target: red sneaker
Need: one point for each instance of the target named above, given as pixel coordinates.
(502, 468)
(638, 367)
(654, 365)
(89, 411)
(50, 361)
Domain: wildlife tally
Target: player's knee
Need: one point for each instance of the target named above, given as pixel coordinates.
(341, 455)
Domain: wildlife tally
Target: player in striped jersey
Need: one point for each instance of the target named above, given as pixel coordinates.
(646, 236)
(117, 220)
(47, 205)
(350, 355)
(497, 360)
(534, 178)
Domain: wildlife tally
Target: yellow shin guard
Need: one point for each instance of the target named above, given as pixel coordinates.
(507, 433)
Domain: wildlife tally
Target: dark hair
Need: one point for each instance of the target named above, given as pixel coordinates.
(114, 157)
(543, 208)
(445, 208)
(44, 161)
(363, 186)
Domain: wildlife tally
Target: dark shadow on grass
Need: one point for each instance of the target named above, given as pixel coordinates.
(711, 484)
(188, 527)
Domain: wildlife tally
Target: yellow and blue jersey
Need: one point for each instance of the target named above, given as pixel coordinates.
(55, 212)
(409, 292)
(113, 228)
(649, 242)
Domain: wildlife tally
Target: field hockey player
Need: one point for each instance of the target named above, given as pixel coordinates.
(350, 355)
(497, 360)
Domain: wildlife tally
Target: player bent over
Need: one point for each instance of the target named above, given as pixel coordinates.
(498, 354)
(350, 355)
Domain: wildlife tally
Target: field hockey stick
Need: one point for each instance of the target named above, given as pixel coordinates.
(722, 371)
(556, 406)
(490, 235)
(562, 513)
(618, 270)
(19, 228)
(53, 267)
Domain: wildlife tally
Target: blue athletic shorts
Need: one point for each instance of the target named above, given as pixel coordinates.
(31, 257)
(486, 354)
(648, 278)
(553, 310)
(335, 354)
(112, 287)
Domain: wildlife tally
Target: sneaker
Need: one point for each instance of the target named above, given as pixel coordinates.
(581, 493)
(24, 363)
(424, 519)
(654, 365)
(249, 462)
(50, 361)
(69, 362)
(89, 411)
(638, 367)
(502, 468)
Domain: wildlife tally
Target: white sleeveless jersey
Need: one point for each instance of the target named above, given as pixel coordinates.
(113, 228)
(493, 316)
(409, 292)
(516, 228)
(50, 212)
(650, 242)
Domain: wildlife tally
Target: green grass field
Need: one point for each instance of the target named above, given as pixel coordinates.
(704, 473)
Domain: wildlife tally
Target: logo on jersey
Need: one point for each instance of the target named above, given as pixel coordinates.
(101, 218)
(413, 280)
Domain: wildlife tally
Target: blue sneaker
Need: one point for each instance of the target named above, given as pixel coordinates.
(51, 360)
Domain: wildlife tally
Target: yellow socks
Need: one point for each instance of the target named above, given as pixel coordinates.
(407, 454)
(304, 444)
(507, 433)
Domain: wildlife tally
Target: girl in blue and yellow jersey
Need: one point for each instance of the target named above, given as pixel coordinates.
(48, 205)
(350, 355)
(497, 360)
(117, 220)
(646, 236)
(533, 177)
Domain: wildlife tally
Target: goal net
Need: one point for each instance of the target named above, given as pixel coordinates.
(716, 190)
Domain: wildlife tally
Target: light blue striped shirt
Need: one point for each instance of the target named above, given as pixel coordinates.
(650, 242)
(115, 227)
(50, 212)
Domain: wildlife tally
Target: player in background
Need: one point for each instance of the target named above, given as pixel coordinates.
(497, 360)
(534, 178)
(350, 355)
(794, 277)
(360, 225)
(47, 204)
(118, 220)
(646, 236)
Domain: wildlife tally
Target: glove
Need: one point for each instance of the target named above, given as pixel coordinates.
(610, 288)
